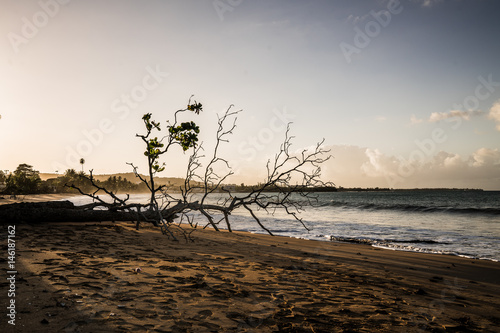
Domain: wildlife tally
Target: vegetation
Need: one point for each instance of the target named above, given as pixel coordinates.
(26, 180)
(3, 177)
(184, 134)
(82, 162)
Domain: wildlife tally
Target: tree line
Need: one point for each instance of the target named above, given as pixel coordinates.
(26, 180)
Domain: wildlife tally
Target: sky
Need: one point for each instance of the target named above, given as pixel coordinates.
(404, 93)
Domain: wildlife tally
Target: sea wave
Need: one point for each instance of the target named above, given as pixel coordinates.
(384, 241)
(414, 208)
(415, 245)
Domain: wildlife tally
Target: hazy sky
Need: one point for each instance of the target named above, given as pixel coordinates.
(406, 94)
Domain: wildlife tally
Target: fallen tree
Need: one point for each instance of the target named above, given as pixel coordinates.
(66, 211)
(289, 174)
(59, 211)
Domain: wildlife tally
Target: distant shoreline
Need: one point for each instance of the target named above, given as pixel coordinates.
(376, 189)
(7, 198)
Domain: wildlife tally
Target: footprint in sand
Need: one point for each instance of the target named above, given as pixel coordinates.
(204, 314)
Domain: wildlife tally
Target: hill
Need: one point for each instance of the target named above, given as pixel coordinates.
(130, 176)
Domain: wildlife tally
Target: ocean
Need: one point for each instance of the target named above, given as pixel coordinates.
(463, 223)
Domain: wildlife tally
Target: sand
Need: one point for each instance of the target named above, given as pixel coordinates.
(82, 278)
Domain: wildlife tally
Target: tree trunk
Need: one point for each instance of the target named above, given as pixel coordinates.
(66, 211)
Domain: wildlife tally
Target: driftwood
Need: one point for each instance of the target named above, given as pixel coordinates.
(66, 211)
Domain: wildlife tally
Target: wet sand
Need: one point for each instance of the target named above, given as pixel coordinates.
(82, 278)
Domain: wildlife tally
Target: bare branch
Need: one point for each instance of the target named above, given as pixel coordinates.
(290, 175)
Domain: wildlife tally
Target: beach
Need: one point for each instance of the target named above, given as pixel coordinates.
(109, 277)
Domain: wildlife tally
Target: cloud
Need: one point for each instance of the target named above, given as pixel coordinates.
(495, 113)
(446, 160)
(356, 19)
(466, 115)
(378, 164)
(485, 157)
(415, 120)
(428, 3)
(354, 166)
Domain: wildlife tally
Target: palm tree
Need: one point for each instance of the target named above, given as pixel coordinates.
(82, 162)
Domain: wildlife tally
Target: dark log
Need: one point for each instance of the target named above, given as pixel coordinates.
(66, 211)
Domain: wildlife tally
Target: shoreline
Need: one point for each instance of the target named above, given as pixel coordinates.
(80, 277)
(465, 256)
(377, 246)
